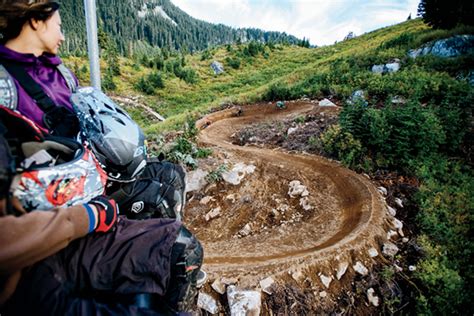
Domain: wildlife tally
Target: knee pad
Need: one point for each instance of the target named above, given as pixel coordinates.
(186, 260)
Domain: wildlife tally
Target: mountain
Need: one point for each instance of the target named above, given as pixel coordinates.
(133, 24)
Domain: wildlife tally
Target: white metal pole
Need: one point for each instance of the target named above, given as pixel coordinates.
(92, 42)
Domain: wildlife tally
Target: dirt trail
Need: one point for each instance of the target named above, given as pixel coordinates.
(347, 215)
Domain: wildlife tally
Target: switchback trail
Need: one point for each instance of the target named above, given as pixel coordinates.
(346, 216)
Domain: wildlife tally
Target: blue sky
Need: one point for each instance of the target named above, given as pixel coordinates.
(322, 21)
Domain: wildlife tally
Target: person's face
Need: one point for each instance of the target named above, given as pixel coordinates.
(49, 33)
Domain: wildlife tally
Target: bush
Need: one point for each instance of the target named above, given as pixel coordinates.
(149, 83)
(233, 62)
(342, 145)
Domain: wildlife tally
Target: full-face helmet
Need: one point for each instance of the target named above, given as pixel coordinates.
(115, 139)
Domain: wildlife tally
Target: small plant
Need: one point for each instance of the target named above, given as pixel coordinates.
(216, 175)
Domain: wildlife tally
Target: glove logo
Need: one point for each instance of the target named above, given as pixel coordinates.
(137, 207)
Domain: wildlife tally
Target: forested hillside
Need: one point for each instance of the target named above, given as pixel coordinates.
(137, 24)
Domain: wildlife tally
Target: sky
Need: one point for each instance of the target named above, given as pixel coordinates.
(322, 21)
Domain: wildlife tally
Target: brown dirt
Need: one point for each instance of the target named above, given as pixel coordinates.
(294, 246)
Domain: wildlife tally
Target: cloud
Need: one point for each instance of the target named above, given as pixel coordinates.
(322, 21)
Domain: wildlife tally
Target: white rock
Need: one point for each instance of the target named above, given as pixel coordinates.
(229, 281)
(326, 102)
(412, 268)
(237, 173)
(391, 211)
(243, 303)
(382, 190)
(390, 249)
(304, 203)
(296, 188)
(218, 286)
(291, 130)
(267, 284)
(231, 197)
(325, 280)
(405, 240)
(391, 234)
(341, 270)
(215, 212)
(207, 303)
(397, 224)
(206, 200)
(373, 252)
(392, 67)
(360, 268)
(373, 299)
(297, 276)
(398, 268)
(196, 180)
(323, 294)
(399, 202)
(378, 69)
(246, 230)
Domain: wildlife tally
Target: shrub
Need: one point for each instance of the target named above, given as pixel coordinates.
(233, 62)
(149, 83)
(342, 145)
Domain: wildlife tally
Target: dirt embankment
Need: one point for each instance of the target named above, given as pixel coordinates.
(342, 216)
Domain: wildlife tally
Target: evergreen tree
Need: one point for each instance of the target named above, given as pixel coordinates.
(446, 14)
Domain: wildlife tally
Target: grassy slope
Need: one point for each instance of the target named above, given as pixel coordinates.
(249, 82)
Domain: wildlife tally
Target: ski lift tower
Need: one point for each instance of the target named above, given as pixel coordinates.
(92, 42)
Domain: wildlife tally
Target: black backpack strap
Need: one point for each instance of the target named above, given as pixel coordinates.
(31, 87)
(67, 75)
(8, 92)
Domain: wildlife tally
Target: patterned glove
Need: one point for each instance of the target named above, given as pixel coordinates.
(107, 211)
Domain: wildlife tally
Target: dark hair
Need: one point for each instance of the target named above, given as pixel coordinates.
(15, 13)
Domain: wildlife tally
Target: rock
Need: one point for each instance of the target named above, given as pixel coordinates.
(267, 285)
(325, 280)
(215, 212)
(360, 268)
(378, 69)
(291, 130)
(412, 268)
(373, 299)
(243, 303)
(399, 202)
(218, 286)
(392, 67)
(391, 211)
(196, 180)
(238, 172)
(323, 294)
(231, 197)
(297, 276)
(217, 67)
(373, 252)
(405, 240)
(296, 188)
(398, 268)
(246, 230)
(326, 102)
(390, 249)
(382, 191)
(341, 270)
(398, 225)
(229, 281)
(207, 303)
(391, 234)
(448, 47)
(206, 200)
(304, 203)
(398, 100)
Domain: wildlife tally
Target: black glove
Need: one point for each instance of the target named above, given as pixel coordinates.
(107, 211)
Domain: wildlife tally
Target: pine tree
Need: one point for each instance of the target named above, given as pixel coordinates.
(446, 14)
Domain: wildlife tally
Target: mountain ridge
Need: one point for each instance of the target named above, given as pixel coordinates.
(157, 23)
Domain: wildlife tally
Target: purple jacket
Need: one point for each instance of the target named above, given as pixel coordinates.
(43, 70)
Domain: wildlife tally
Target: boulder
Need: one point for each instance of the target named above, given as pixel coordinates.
(207, 303)
(326, 102)
(449, 47)
(360, 268)
(326, 281)
(373, 299)
(237, 173)
(215, 212)
(378, 69)
(267, 285)
(297, 189)
(196, 180)
(218, 286)
(217, 67)
(373, 252)
(390, 249)
(341, 270)
(242, 303)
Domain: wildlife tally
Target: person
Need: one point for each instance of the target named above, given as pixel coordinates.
(36, 84)
(84, 259)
